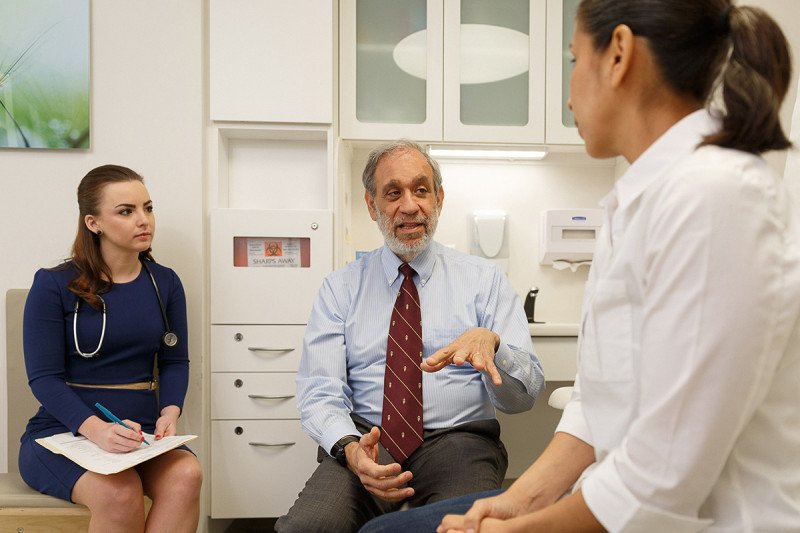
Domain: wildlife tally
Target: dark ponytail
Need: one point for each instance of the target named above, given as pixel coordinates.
(701, 45)
(753, 83)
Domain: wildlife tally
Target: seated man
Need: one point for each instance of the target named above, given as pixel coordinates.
(388, 433)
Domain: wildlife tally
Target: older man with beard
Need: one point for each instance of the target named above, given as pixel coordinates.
(475, 351)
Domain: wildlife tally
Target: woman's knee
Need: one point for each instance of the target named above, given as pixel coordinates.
(189, 474)
(181, 478)
(118, 494)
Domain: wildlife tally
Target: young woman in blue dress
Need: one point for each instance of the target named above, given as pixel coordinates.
(95, 328)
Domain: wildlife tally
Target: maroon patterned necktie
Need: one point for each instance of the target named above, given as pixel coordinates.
(401, 423)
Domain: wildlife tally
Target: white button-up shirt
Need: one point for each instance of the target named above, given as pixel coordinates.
(689, 355)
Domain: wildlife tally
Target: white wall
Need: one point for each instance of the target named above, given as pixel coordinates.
(147, 102)
(523, 190)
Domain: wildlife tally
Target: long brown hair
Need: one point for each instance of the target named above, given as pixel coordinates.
(700, 45)
(86, 257)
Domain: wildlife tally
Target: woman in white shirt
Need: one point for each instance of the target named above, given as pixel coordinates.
(686, 410)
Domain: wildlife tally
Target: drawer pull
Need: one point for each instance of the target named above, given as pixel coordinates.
(270, 397)
(271, 444)
(266, 349)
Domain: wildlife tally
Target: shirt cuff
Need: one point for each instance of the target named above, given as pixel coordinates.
(618, 510)
(515, 364)
(76, 421)
(504, 359)
(336, 432)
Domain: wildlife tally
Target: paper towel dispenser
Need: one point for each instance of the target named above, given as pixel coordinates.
(568, 235)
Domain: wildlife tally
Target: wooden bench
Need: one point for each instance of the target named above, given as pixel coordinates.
(23, 509)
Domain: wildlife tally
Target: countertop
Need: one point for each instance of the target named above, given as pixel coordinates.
(554, 329)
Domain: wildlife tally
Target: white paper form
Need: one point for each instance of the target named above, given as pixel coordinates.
(90, 456)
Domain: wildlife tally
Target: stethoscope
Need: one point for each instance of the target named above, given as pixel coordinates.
(168, 339)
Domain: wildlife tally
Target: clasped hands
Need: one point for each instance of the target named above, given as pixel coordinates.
(501, 513)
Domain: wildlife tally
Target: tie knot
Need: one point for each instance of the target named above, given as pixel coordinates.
(406, 270)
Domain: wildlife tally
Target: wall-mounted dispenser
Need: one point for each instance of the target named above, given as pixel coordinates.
(568, 236)
(489, 236)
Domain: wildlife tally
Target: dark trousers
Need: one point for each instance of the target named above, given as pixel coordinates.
(451, 462)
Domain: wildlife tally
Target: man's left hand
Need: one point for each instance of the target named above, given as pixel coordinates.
(476, 346)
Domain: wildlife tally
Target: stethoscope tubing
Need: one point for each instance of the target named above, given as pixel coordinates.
(75, 329)
(169, 338)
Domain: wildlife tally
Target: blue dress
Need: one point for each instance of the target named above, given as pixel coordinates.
(131, 347)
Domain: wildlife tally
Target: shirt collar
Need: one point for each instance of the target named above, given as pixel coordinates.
(422, 264)
(678, 142)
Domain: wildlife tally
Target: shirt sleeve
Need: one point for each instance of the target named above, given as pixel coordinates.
(519, 367)
(173, 363)
(45, 352)
(713, 275)
(323, 394)
(572, 419)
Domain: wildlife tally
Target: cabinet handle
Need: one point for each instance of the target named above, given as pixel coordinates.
(268, 397)
(265, 349)
(271, 444)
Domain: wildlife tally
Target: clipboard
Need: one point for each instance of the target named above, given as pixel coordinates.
(92, 457)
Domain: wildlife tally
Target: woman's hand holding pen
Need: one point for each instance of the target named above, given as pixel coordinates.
(167, 423)
(110, 436)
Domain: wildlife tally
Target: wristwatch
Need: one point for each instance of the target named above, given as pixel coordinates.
(337, 451)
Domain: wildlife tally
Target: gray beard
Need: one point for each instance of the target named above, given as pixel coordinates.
(401, 248)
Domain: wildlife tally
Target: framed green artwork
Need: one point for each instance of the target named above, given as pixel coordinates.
(44, 74)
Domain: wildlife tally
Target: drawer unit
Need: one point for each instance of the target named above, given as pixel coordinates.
(258, 466)
(256, 348)
(266, 269)
(253, 395)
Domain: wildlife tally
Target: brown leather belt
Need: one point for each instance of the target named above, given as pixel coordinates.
(142, 385)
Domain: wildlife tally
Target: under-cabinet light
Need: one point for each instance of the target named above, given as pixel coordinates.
(486, 152)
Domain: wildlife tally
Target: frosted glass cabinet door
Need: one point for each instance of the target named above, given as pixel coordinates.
(560, 23)
(494, 76)
(391, 69)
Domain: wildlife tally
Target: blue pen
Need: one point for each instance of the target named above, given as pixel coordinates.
(111, 416)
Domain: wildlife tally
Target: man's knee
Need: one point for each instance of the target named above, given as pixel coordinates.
(307, 515)
(332, 500)
(458, 463)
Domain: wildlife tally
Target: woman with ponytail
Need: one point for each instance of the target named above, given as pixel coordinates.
(684, 415)
(94, 328)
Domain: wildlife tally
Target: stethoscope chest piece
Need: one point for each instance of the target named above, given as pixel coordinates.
(170, 339)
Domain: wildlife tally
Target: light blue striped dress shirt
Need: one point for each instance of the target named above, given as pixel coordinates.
(344, 350)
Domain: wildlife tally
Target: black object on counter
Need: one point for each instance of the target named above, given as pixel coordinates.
(530, 305)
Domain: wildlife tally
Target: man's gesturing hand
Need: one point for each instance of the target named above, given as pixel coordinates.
(476, 346)
(387, 482)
